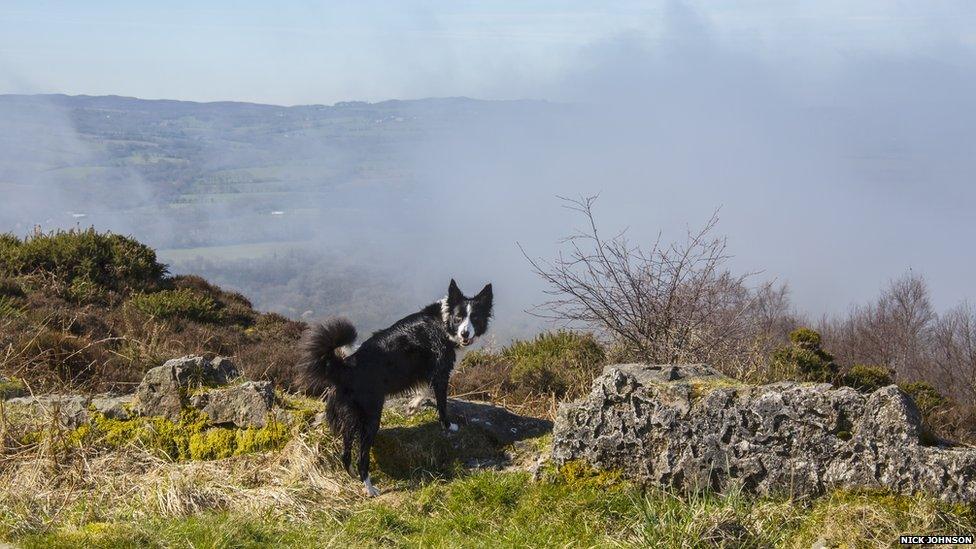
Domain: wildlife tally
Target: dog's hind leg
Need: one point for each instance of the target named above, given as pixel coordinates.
(347, 439)
(370, 426)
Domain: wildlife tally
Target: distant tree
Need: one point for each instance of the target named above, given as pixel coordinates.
(895, 331)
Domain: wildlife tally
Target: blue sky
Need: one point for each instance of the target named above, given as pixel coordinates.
(289, 52)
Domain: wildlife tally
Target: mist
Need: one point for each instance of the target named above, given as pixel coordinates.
(834, 169)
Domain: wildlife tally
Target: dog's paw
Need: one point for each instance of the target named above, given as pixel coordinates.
(453, 427)
(370, 490)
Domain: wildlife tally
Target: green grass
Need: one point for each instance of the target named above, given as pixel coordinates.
(565, 509)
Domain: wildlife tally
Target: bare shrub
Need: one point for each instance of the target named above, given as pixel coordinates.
(954, 359)
(671, 302)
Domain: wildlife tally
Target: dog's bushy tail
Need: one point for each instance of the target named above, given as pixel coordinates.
(322, 365)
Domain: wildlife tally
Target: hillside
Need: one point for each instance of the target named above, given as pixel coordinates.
(84, 312)
(93, 311)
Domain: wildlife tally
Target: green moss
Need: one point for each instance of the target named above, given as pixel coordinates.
(580, 474)
(393, 418)
(188, 439)
(10, 388)
(700, 387)
(417, 445)
(184, 303)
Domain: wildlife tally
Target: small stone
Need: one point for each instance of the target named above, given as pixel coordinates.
(114, 406)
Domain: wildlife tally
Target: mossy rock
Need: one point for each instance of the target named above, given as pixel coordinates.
(412, 441)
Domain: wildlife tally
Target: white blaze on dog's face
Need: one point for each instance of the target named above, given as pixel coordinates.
(466, 318)
(465, 331)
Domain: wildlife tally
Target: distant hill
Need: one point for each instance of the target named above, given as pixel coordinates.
(152, 164)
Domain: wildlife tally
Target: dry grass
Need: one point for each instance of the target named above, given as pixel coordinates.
(42, 489)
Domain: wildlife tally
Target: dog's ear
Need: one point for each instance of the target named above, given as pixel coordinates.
(454, 294)
(485, 294)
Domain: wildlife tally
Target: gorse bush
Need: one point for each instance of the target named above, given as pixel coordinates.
(184, 303)
(926, 397)
(555, 362)
(867, 378)
(805, 338)
(804, 359)
(108, 260)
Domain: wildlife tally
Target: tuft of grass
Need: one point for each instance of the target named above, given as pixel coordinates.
(9, 308)
(876, 519)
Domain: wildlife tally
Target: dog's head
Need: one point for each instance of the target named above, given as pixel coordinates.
(466, 318)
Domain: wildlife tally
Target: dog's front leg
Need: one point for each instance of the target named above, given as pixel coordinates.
(439, 385)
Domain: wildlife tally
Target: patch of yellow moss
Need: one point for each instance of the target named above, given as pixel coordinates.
(302, 409)
(187, 439)
(701, 387)
(579, 474)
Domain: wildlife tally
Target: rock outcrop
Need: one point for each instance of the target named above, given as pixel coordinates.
(691, 427)
(165, 389)
(246, 405)
(214, 388)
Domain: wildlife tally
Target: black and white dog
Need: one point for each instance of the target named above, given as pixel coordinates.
(418, 349)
